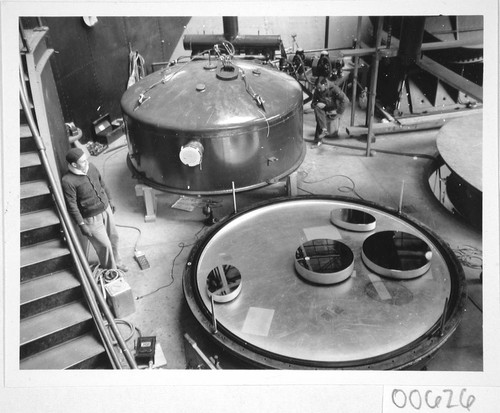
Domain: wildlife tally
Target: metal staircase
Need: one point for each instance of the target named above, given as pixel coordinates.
(61, 310)
(57, 330)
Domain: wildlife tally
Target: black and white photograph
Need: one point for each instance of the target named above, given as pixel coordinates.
(290, 206)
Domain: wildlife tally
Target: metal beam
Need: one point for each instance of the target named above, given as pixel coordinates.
(412, 124)
(451, 78)
(393, 50)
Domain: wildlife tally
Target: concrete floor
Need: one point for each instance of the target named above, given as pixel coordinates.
(160, 307)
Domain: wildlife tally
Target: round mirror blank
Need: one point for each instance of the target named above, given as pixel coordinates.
(396, 254)
(353, 219)
(324, 261)
(224, 283)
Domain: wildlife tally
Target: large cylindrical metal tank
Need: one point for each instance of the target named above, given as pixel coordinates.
(197, 127)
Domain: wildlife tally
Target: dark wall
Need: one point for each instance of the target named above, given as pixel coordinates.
(91, 63)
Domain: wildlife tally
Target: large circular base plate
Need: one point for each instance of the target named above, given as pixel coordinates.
(279, 320)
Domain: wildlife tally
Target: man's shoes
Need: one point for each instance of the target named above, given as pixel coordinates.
(122, 267)
(323, 134)
(317, 143)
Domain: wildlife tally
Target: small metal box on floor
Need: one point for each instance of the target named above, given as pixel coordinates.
(120, 298)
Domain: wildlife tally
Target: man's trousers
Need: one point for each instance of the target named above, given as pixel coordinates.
(104, 238)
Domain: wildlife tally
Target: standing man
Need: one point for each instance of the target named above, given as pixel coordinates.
(89, 204)
(329, 102)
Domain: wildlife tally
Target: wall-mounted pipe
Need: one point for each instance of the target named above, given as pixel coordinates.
(201, 42)
(248, 44)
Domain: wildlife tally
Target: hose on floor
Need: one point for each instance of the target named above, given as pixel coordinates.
(131, 327)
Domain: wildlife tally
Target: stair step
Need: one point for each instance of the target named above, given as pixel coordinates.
(44, 258)
(39, 219)
(31, 167)
(34, 188)
(25, 131)
(42, 251)
(67, 355)
(27, 145)
(35, 195)
(53, 327)
(29, 159)
(30, 104)
(52, 290)
(54, 320)
(39, 226)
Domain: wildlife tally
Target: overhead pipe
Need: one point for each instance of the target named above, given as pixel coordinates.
(58, 199)
(230, 26)
(327, 31)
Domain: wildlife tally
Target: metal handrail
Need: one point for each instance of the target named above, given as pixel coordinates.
(94, 309)
(70, 231)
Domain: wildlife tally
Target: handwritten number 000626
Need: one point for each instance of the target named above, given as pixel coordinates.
(418, 400)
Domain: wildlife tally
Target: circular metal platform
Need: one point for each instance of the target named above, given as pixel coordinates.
(280, 320)
(460, 144)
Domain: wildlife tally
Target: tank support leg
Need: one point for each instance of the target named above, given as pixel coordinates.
(291, 184)
(150, 201)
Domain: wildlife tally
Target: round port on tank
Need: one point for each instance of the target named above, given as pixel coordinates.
(353, 219)
(191, 154)
(324, 261)
(396, 254)
(224, 283)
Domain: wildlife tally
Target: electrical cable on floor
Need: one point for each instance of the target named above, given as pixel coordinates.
(343, 188)
(475, 304)
(470, 257)
(306, 191)
(132, 227)
(181, 245)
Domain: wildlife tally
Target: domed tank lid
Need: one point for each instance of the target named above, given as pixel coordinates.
(191, 98)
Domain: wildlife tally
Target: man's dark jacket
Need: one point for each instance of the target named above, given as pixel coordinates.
(86, 195)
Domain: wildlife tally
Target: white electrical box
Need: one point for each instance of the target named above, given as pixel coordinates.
(120, 297)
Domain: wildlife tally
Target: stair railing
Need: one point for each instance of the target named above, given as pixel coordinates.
(94, 309)
(88, 282)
